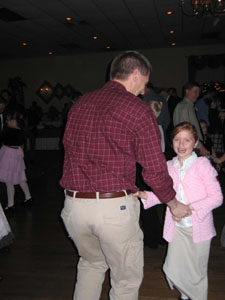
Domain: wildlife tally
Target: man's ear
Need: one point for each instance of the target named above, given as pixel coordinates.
(135, 74)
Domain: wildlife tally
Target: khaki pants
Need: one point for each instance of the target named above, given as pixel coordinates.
(106, 233)
(186, 264)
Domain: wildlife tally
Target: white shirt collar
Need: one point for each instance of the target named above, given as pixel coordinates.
(187, 162)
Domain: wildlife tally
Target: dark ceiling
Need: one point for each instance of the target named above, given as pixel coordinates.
(118, 24)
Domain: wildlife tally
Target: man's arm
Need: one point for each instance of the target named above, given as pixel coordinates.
(179, 210)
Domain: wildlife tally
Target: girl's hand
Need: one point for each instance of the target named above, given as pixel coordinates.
(177, 219)
(141, 194)
(191, 207)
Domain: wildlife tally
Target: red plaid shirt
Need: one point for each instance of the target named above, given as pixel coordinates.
(108, 130)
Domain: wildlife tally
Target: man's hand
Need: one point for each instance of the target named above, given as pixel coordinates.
(141, 194)
(179, 210)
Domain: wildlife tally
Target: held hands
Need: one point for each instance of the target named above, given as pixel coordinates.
(177, 219)
(177, 209)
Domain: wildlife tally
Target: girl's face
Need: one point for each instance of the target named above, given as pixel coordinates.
(12, 123)
(183, 144)
(222, 115)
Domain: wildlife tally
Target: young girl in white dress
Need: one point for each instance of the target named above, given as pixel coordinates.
(189, 238)
(6, 235)
(12, 167)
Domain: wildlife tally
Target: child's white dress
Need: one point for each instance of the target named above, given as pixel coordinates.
(6, 236)
(12, 167)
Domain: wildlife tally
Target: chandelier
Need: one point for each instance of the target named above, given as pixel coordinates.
(200, 8)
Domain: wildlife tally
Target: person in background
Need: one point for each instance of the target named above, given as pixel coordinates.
(107, 132)
(150, 221)
(151, 225)
(185, 112)
(12, 167)
(157, 108)
(207, 142)
(172, 100)
(189, 238)
(173, 92)
(76, 95)
(203, 105)
(34, 117)
(65, 112)
(170, 95)
(219, 160)
(3, 103)
(149, 95)
(6, 235)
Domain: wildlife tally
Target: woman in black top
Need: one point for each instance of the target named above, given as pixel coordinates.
(12, 167)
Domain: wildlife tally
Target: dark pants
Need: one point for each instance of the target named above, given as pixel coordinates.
(149, 218)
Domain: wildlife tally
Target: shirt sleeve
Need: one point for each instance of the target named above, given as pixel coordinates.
(151, 200)
(149, 155)
(214, 196)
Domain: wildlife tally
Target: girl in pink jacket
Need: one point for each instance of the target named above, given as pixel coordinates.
(196, 185)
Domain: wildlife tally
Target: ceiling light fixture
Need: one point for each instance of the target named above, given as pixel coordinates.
(200, 8)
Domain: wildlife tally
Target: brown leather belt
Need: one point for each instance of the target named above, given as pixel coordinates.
(92, 195)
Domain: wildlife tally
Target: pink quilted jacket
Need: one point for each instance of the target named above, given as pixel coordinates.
(202, 191)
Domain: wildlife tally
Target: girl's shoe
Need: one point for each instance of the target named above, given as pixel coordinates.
(9, 208)
(5, 250)
(28, 201)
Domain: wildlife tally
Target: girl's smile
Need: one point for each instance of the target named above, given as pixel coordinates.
(183, 144)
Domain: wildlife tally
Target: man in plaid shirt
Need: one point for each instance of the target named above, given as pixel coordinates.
(107, 132)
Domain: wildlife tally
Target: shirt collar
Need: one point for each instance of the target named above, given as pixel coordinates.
(188, 101)
(115, 85)
(187, 162)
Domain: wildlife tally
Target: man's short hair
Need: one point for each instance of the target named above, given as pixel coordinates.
(190, 85)
(125, 63)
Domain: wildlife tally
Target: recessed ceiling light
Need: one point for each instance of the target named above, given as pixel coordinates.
(68, 19)
(169, 13)
(172, 31)
(95, 37)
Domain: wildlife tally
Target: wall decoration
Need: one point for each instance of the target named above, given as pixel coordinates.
(218, 86)
(59, 91)
(199, 62)
(45, 91)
